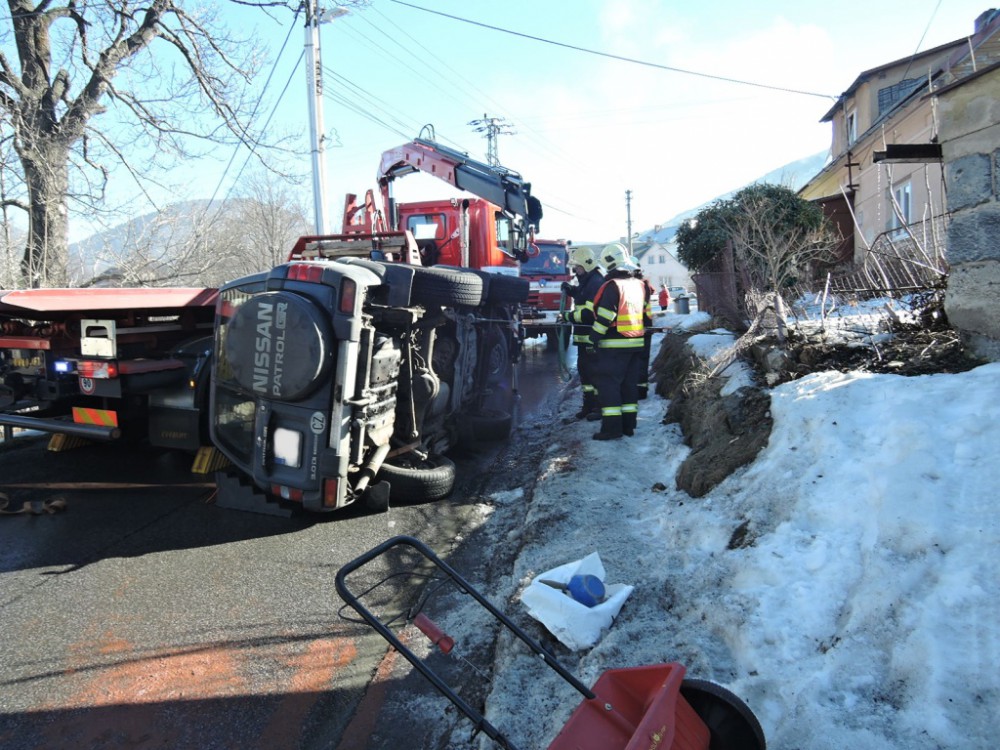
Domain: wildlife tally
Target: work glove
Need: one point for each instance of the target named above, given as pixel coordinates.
(566, 287)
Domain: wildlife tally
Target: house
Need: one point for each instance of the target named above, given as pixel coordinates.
(885, 177)
(915, 160)
(660, 265)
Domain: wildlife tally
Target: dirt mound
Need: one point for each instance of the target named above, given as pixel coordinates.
(726, 432)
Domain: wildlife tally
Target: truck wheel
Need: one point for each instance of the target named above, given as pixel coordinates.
(507, 289)
(446, 286)
(497, 355)
(415, 480)
(731, 722)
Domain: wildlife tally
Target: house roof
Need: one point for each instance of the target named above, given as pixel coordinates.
(870, 73)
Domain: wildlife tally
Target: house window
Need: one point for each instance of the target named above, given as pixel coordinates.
(891, 95)
(852, 126)
(902, 197)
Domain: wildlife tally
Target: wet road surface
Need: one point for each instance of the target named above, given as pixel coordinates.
(143, 616)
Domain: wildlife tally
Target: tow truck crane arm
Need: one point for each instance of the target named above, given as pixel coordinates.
(500, 186)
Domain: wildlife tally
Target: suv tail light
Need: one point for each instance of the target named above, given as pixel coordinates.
(305, 272)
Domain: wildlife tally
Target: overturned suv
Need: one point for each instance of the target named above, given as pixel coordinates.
(348, 379)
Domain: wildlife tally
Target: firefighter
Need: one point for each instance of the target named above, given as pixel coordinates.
(648, 315)
(618, 335)
(589, 278)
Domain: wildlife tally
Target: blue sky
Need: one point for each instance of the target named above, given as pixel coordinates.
(587, 127)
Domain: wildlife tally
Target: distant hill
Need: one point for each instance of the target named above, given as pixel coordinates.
(793, 175)
(99, 253)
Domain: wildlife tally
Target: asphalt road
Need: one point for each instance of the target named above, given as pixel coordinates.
(143, 616)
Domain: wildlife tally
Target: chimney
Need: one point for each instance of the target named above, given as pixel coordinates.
(984, 18)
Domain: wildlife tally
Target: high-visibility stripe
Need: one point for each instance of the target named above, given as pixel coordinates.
(620, 343)
(611, 411)
(630, 408)
(603, 312)
(600, 328)
(102, 417)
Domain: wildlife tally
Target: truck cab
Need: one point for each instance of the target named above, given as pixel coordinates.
(461, 232)
(546, 271)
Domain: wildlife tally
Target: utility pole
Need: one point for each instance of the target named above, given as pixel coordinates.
(317, 132)
(628, 214)
(493, 127)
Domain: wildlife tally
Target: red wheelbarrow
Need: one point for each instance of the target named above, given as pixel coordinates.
(636, 708)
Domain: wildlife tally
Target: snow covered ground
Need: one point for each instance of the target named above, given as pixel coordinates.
(846, 584)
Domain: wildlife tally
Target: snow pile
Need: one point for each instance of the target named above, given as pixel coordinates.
(846, 584)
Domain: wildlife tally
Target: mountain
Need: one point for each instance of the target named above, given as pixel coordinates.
(793, 175)
(101, 252)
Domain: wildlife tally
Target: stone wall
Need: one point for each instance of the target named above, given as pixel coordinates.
(969, 131)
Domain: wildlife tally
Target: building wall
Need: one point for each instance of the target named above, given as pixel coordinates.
(970, 143)
(872, 184)
(660, 266)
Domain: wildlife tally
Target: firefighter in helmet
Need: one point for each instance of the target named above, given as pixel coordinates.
(589, 278)
(618, 335)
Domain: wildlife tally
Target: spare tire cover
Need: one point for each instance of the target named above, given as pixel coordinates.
(279, 346)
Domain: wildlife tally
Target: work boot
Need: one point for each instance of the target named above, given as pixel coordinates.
(611, 428)
(629, 421)
(589, 405)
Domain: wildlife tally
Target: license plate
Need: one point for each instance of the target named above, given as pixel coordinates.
(287, 447)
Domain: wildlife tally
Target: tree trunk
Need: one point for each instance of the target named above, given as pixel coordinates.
(46, 255)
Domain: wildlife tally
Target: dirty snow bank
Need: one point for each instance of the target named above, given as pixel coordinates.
(845, 584)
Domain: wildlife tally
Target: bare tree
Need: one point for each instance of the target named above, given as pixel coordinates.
(194, 244)
(152, 72)
(263, 222)
(777, 239)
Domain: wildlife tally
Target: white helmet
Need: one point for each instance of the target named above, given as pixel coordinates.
(583, 256)
(615, 257)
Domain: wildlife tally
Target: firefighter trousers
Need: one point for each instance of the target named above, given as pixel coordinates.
(616, 375)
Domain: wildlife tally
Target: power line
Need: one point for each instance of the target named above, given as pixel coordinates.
(613, 56)
(922, 37)
(242, 140)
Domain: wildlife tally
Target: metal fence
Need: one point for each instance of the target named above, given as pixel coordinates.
(902, 270)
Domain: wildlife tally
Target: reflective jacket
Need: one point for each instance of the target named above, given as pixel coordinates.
(621, 313)
(582, 315)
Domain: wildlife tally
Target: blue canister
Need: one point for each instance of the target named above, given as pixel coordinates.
(586, 589)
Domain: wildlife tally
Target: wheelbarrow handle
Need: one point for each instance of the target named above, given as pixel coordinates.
(437, 636)
(465, 587)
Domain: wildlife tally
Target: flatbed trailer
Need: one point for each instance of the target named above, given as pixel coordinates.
(105, 363)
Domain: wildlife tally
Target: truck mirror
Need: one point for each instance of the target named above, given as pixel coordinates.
(534, 211)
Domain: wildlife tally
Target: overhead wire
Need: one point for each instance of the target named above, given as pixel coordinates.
(534, 134)
(452, 90)
(612, 56)
(242, 139)
(923, 36)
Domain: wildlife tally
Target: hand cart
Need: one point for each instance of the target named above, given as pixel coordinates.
(627, 709)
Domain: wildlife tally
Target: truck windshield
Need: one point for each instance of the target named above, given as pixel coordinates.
(550, 261)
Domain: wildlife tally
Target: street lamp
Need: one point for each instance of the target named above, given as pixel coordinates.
(314, 80)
